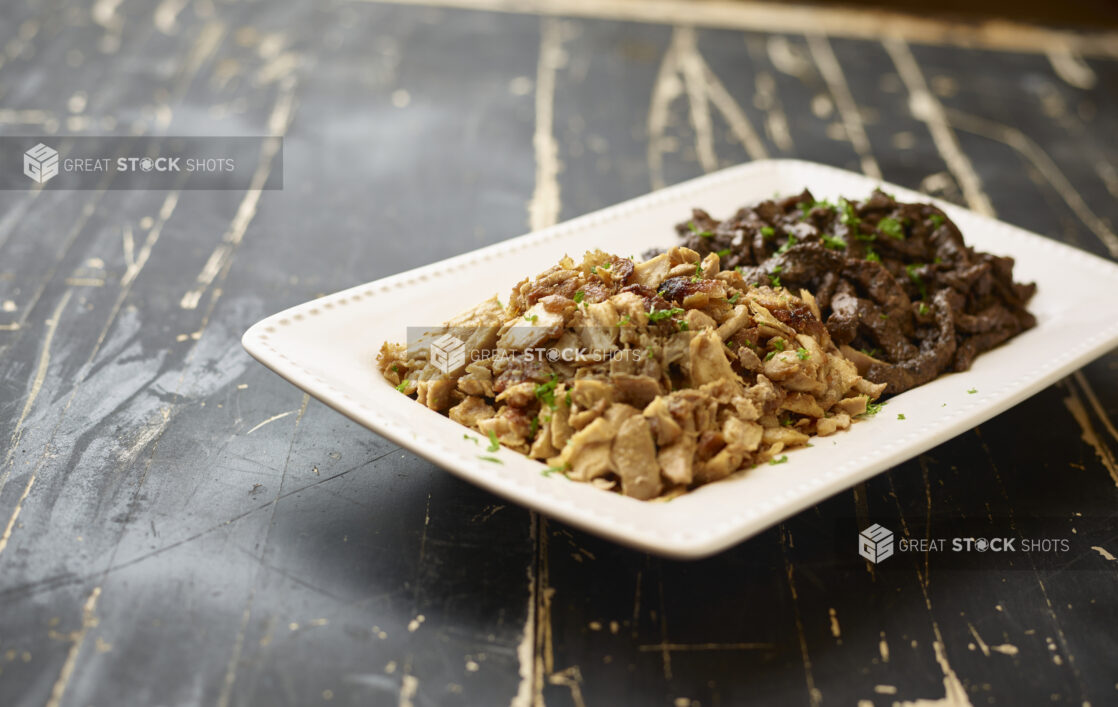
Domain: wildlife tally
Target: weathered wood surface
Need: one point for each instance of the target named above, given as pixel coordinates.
(179, 526)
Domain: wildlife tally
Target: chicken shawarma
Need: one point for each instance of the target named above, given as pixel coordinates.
(648, 378)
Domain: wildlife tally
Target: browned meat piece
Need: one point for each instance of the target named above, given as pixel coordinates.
(875, 268)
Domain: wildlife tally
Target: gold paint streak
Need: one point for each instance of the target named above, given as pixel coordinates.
(85, 282)
(544, 651)
(17, 432)
(136, 262)
(89, 620)
(543, 209)
(665, 654)
(672, 647)
(927, 108)
(572, 679)
(1005, 649)
(814, 695)
(664, 92)
(1071, 68)
(978, 639)
(836, 630)
(1104, 552)
(774, 17)
(222, 255)
(692, 69)
(409, 685)
(525, 651)
(1043, 163)
(734, 115)
(1074, 405)
(954, 694)
(166, 15)
(273, 418)
(831, 71)
(235, 658)
(883, 648)
(1095, 404)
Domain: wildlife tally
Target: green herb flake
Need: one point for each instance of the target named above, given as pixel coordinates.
(779, 460)
(767, 232)
(891, 227)
(787, 244)
(872, 409)
(494, 444)
(733, 299)
(545, 392)
(684, 326)
(872, 256)
(395, 368)
(972, 391)
(774, 280)
(535, 427)
(723, 253)
(662, 314)
(936, 220)
(777, 344)
(471, 438)
(769, 355)
(923, 309)
(802, 353)
(833, 242)
(555, 470)
(900, 416)
(578, 296)
(532, 319)
(911, 269)
(848, 218)
(623, 321)
(494, 460)
(403, 385)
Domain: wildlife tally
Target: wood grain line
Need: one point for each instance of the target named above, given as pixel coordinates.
(996, 35)
(89, 620)
(831, 71)
(815, 696)
(927, 108)
(1031, 151)
(543, 209)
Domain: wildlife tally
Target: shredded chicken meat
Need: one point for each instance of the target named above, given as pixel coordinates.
(647, 378)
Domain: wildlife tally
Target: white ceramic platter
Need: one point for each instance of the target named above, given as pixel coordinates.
(328, 347)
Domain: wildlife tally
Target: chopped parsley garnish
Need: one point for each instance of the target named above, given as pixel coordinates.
(531, 319)
(535, 427)
(923, 309)
(833, 242)
(848, 218)
(495, 460)
(911, 269)
(883, 316)
(872, 409)
(769, 355)
(723, 253)
(494, 444)
(900, 416)
(787, 244)
(698, 272)
(867, 237)
(471, 438)
(774, 280)
(972, 391)
(733, 299)
(802, 353)
(684, 326)
(662, 314)
(403, 385)
(395, 368)
(554, 470)
(777, 344)
(779, 460)
(891, 227)
(936, 220)
(872, 353)
(623, 320)
(872, 256)
(545, 392)
(568, 398)
(767, 232)
(696, 231)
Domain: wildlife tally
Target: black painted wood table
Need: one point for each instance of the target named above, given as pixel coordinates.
(179, 526)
